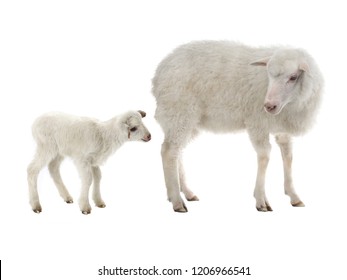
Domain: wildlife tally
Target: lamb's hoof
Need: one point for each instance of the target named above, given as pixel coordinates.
(86, 212)
(37, 210)
(264, 208)
(194, 198)
(69, 201)
(101, 205)
(298, 204)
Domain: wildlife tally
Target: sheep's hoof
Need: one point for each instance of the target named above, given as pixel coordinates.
(264, 208)
(69, 201)
(194, 198)
(298, 204)
(101, 205)
(37, 210)
(87, 212)
(181, 208)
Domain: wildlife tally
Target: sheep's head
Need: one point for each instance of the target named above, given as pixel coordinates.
(286, 69)
(136, 130)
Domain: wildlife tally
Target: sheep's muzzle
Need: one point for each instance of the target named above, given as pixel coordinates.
(147, 138)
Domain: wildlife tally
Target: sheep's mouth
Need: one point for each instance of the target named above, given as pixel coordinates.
(145, 140)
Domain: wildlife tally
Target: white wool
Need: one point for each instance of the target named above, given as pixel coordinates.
(89, 142)
(223, 86)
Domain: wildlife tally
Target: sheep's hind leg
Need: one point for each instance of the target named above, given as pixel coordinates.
(96, 188)
(285, 144)
(170, 154)
(41, 159)
(53, 168)
(190, 196)
(262, 146)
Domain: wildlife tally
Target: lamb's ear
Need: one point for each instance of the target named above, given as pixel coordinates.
(261, 62)
(143, 114)
(304, 67)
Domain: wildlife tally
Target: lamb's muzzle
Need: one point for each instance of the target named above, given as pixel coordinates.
(147, 138)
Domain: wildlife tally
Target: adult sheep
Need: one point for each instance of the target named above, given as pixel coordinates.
(224, 86)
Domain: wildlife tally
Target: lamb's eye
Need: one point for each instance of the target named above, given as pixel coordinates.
(133, 129)
(293, 78)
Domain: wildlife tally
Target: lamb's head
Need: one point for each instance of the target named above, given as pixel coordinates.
(286, 70)
(136, 130)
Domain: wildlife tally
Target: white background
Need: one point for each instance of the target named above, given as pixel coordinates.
(97, 58)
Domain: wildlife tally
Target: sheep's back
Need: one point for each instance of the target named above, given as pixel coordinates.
(69, 134)
(212, 80)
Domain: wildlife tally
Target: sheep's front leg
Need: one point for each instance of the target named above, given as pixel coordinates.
(96, 188)
(85, 171)
(262, 147)
(170, 154)
(285, 144)
(190, 196)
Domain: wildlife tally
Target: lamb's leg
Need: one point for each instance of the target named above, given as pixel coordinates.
(190, 196)
(41, 159)
(262, 146)
(96, 188)
(53, 168)
(285, 144)
(85, 171)
(170, 154)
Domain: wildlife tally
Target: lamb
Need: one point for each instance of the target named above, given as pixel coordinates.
(88, 142)
(223, 86)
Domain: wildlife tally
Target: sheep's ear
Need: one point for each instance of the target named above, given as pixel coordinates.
(143, 114)
(261, 62)
(304, 67)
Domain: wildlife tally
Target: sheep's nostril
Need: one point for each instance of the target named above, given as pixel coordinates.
(149, 137)
(270, 107)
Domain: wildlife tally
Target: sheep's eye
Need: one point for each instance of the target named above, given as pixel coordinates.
(133, 129)
(293, 78)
